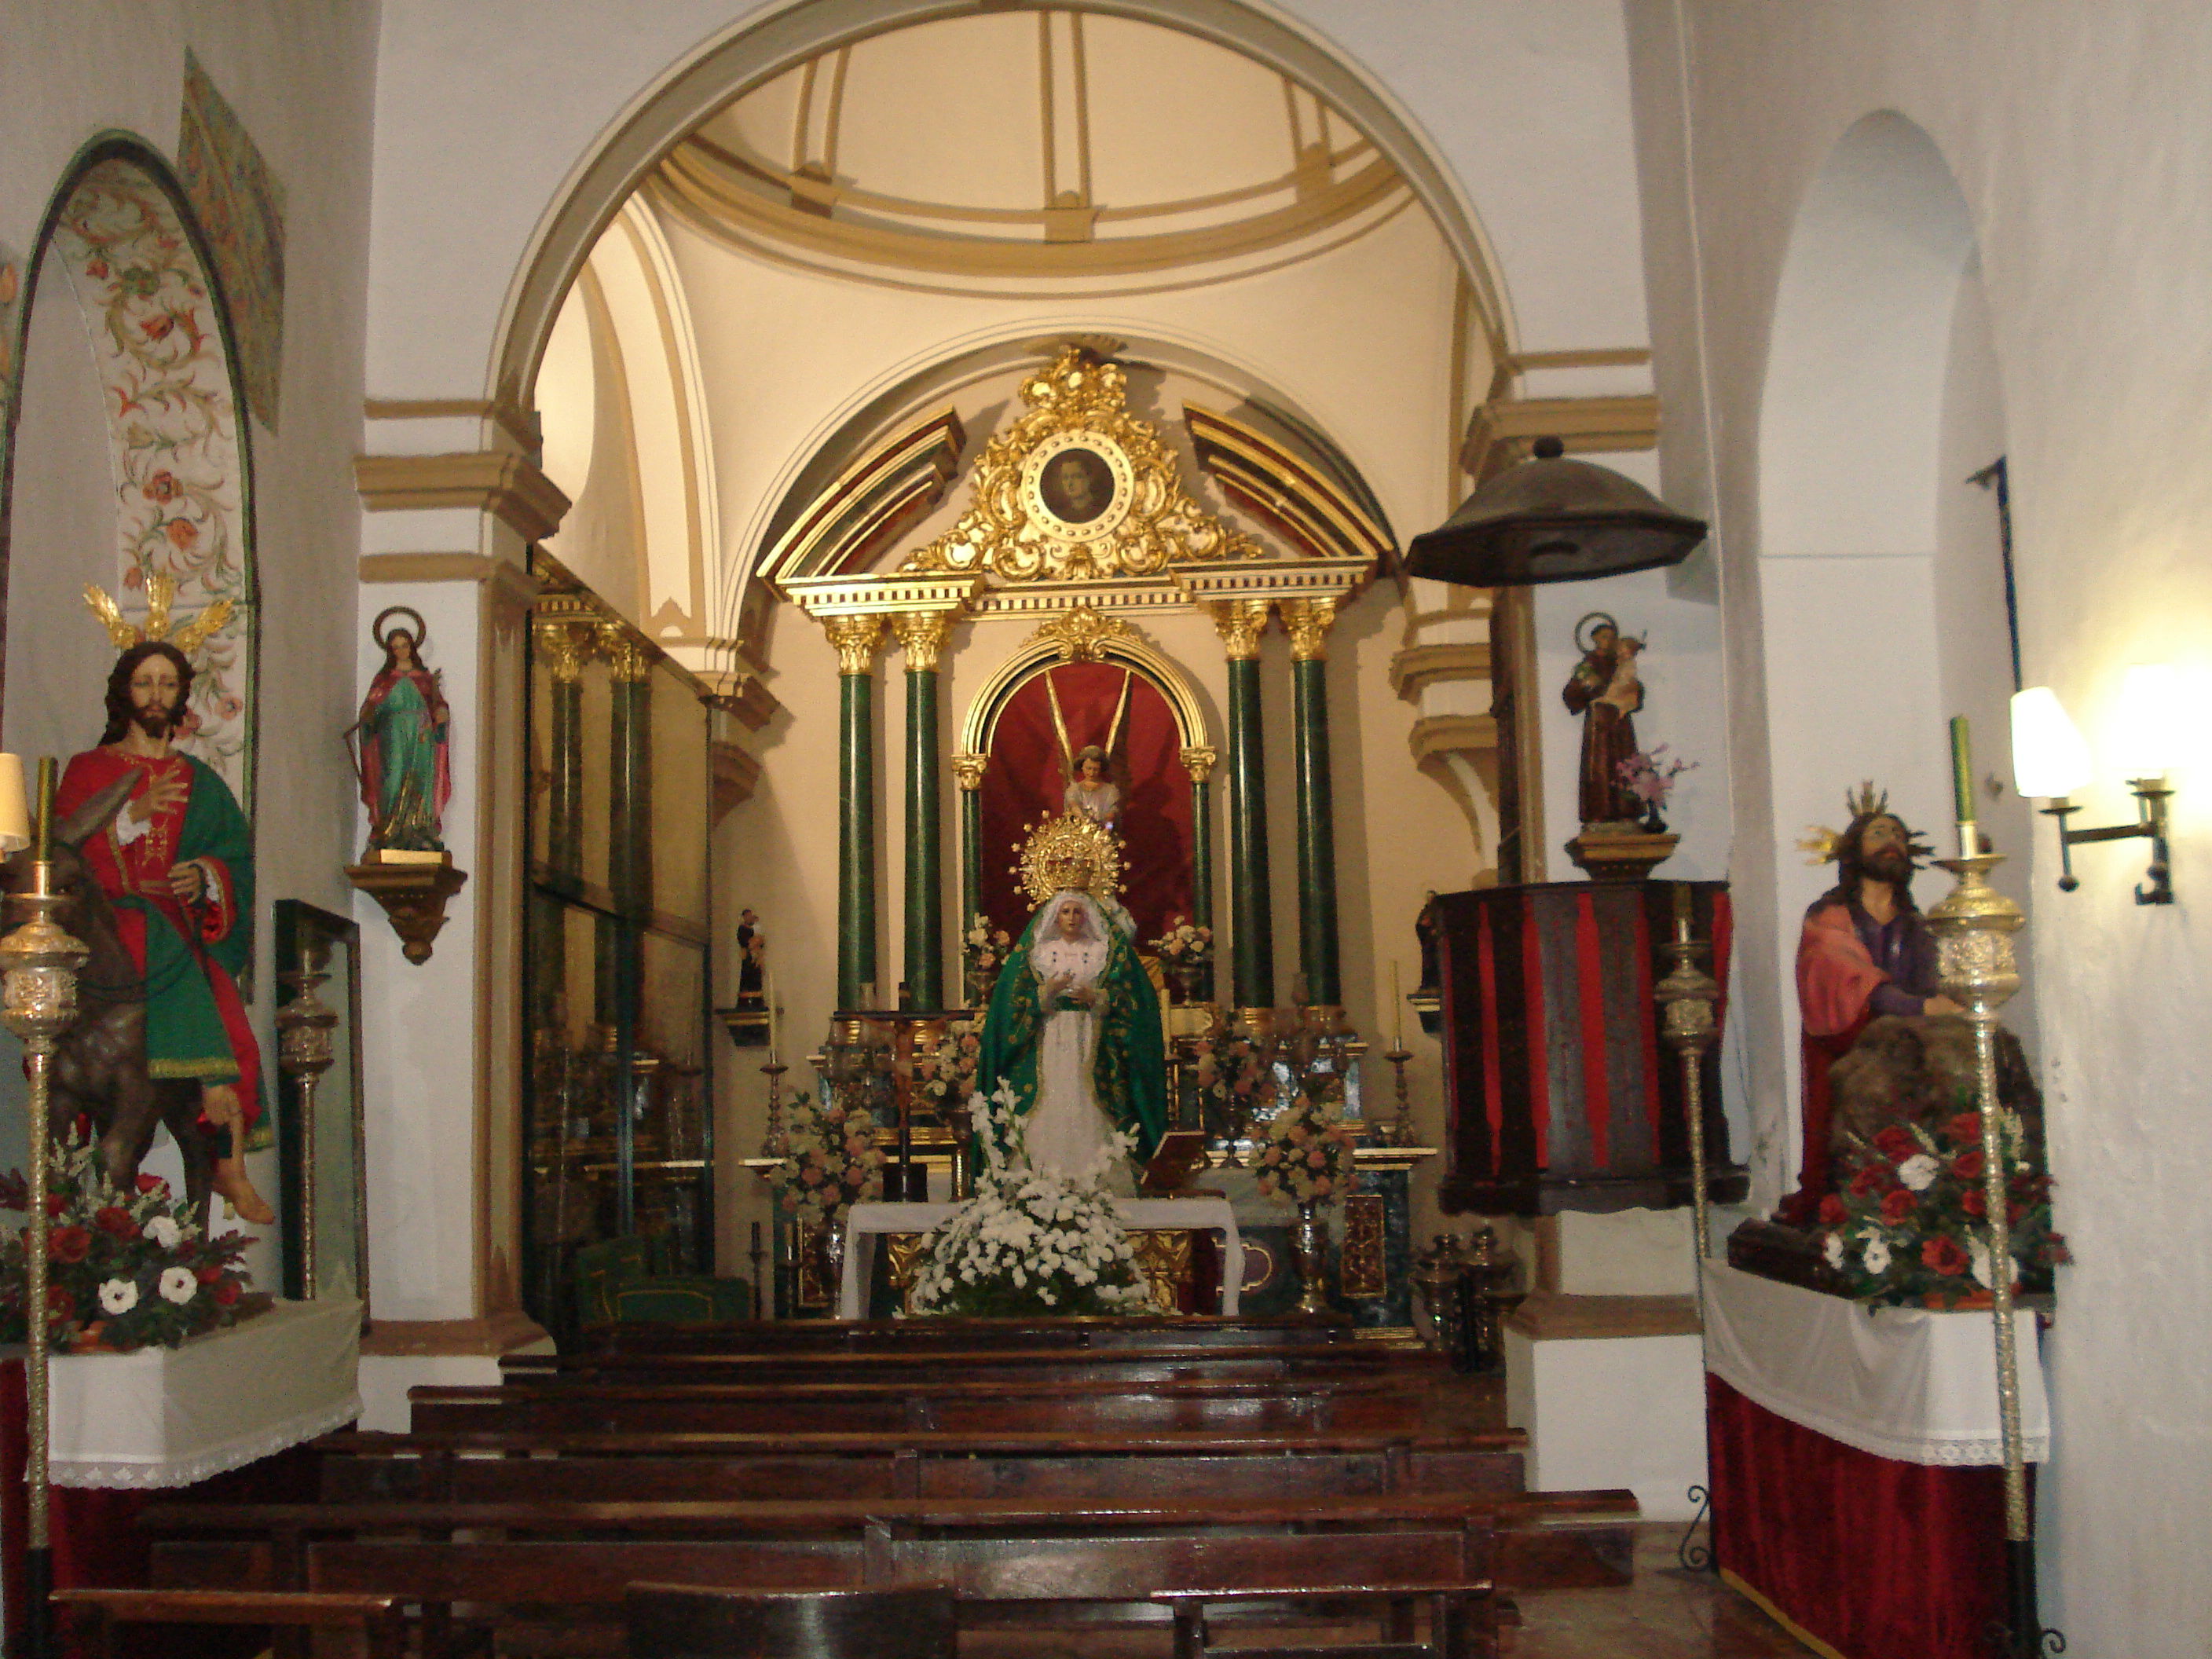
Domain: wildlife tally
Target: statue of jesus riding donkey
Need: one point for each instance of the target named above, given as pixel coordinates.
(152, 850)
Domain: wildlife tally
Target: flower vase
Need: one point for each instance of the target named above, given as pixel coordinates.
(1309, 1238)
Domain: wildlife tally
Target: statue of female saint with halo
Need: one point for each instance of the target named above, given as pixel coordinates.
(405, 776)
(1074, 1023)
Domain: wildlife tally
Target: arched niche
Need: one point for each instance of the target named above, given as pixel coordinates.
(1012, 720)
(1880, 577)
(147, 342)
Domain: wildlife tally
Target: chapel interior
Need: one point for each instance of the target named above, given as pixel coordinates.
(1575, 615)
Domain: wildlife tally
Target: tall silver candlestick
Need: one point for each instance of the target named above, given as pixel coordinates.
(1975, 967)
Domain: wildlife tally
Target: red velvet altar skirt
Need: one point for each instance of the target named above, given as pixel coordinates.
(1878, 1559)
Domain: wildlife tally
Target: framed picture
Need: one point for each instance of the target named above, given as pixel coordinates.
(1078, 485)
(324, 1212)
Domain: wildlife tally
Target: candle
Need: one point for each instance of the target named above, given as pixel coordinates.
(1681, 913)
(46, 807)
(768, 995)
(1962, 769)
(756, 1248)
(1397, 1010)
(15, 814)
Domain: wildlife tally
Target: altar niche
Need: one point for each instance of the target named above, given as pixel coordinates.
(1042, 720)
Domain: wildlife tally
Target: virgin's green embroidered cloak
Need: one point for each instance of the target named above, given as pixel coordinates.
(1128, 1072)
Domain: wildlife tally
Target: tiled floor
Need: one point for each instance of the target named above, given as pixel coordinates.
(1668, 1613)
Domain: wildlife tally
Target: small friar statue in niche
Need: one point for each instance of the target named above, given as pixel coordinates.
(752, 957)
(1606, 691)
(405, 771)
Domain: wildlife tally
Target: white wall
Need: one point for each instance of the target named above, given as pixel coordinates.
(2074, 134)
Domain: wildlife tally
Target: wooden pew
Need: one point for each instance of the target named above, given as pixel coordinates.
(1107, 1468)
(518, 1583)
(1181, 1335)
(97, 1613)
(1138, 1364)
(1077, 1407)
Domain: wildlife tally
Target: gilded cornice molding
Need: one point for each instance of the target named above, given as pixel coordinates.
(922, 636)
(856, 637)
(1240, 622)
(1307, 621)
(967, 771)
(1081, 634)
(508, 487)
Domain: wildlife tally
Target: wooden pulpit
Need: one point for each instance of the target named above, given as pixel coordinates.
(1557, 1092)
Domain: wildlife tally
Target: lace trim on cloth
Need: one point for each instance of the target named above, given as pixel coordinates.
(146, 1475)
(1959, 1451)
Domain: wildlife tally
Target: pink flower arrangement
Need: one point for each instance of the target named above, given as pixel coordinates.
(829, 1161)
(1308, 1155)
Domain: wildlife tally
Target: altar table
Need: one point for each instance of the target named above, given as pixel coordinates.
(124, 1425)
(1856, 1488)
(864, 1222)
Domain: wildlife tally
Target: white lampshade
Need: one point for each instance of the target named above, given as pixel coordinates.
(2049, 758)
(2147, 731)
(15, 813)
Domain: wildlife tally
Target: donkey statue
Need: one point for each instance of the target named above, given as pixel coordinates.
(100, 1062)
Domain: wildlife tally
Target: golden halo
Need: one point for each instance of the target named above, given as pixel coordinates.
(422, 627)
(1071, 851)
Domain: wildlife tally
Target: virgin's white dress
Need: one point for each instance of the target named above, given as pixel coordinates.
(1066, 1131)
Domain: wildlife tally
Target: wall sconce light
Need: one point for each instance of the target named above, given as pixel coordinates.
(2050, 762)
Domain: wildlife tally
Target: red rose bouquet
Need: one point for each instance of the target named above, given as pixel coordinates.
(1910, 1221)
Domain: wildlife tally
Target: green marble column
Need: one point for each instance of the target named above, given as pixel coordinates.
(629, 850)
(1308, 621)
(856, 639)
(563, 647)
(967, 771)
(1252, 956)
(1197, 760)
(922, 636)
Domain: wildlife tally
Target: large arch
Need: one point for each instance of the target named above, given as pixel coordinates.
(1878, 351)
(758, 49)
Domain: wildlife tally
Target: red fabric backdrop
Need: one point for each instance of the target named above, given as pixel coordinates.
(1027, 779)
(1878, 1558)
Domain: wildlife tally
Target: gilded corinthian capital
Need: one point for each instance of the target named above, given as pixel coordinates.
(856, 639)
(1307, 621)
(968, 770)
(921, 635)
(1240, 622)
(1197, 760)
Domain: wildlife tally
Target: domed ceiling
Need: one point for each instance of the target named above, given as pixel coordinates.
(984, 152)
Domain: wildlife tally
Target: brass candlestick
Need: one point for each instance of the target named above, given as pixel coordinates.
(776, 1142)
(1686, 999)
(38, 964)
(304, 1052)
(1975, 967)
(1394, 1132)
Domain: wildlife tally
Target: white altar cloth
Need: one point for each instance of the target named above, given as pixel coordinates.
(864, 1221)
(167, 1416)
(1908, 1383)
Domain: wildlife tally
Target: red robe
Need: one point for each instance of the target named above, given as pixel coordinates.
(1835, 982)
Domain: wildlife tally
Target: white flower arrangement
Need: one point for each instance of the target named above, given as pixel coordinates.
(1031, 1242)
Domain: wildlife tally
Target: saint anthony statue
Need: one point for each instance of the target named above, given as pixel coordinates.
(752, 954)
(406, 777)
(176, 862)
(1865, 951)
(1605, 692)
(1091, 790)
(1074, 1027)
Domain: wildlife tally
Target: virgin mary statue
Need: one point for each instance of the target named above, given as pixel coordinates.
(1074, 1027)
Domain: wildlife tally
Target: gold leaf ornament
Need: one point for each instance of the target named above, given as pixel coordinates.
(160, 599)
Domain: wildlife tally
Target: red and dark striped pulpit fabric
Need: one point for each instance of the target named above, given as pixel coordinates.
(1557, 1094)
